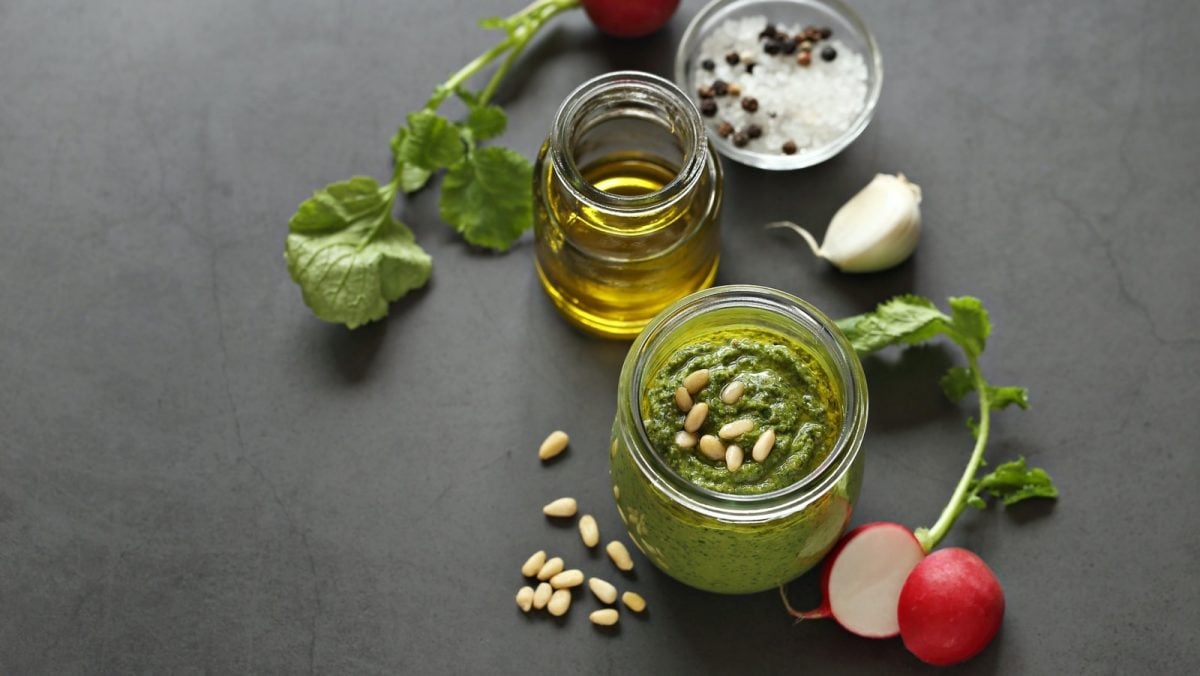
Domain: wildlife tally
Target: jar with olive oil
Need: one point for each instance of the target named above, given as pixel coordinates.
(627, 203)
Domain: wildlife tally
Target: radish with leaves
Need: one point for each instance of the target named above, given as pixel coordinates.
(878, 581)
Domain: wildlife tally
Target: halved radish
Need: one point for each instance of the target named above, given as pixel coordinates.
(950, 607)
(862, 578)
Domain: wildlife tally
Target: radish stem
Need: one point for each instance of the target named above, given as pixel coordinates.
(521, 27)
(930, 537)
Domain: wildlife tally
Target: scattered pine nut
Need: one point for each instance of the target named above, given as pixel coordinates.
(605, 617)
(734, 457)
(762, 447)
(683, 400)
(604, 591)
(534, 563)
(567, 579)
(736, 428)
(619, 555)
(732, 392)
(588, 530)
(685, 439)
(559, 603)
(695, 381)
(550, 569)
(711, 447)
(541, 595)
(633, 601)
(525, 598)
(564, 507)
(553, 445)
(695, 417)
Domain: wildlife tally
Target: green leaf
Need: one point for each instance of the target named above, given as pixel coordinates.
(488, 197)
(432, 142)
(901, 320)
(337, 205)
(410, 177)
(413, 178)
(1002, 397)
(958, 383)
(486, 122)
(359, 260)
(971, 324)
(976, 502)
(1013, 482)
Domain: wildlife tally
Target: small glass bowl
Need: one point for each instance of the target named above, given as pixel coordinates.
(847, 27)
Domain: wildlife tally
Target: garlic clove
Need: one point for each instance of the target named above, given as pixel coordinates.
(877, 229)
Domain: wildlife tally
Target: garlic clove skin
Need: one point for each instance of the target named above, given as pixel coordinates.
(878, 228)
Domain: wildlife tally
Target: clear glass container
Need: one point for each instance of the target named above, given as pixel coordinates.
(723, 542)
(627, 202)
(848, 28)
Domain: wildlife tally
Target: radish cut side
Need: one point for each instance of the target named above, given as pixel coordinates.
(866, 576)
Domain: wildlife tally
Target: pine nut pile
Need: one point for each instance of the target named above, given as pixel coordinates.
(711, 446)
(555, 582)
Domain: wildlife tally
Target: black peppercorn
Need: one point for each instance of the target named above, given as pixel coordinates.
(753, 131)
(740, 139)
(769, 32)
(720, 87)
(708, 64)
(725, 129)
(732, 58)
(749, 104)
(750, 67)
(789, 46)
(772, 47)
(708, 107)
(829, 54)
(789, 148)
(826, 32)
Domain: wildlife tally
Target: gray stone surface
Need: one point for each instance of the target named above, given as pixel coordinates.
(196, 475)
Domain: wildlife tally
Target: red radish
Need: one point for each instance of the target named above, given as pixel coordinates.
(862, 578)
(629, 18)
(950, 607)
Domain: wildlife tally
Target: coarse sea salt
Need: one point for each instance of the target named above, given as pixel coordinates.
(807, 105)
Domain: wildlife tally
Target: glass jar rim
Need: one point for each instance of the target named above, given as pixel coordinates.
(644, 84)
(760, 506)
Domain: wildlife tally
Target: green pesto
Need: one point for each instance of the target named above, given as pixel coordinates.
(786, 389)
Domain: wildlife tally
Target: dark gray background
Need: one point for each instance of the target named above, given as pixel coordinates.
(196, 474)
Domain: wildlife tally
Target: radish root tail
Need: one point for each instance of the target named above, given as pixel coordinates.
(821, 612)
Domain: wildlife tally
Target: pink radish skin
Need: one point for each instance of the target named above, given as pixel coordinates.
(950, 607)
(862, 578)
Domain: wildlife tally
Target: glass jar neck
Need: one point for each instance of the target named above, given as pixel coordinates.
(630, 112)
(779, 310)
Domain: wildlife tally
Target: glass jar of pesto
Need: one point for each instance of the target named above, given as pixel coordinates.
(627, 201)
(745, 521)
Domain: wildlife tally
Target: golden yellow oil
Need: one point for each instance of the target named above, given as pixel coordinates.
(611, 267)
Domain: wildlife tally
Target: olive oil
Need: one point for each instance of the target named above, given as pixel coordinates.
(610, 269)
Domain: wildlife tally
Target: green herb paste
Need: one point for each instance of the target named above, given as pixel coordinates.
(786, 389)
